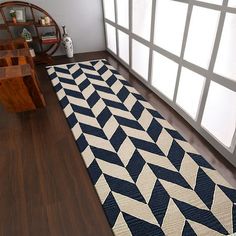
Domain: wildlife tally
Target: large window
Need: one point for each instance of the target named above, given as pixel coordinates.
(169, 25)
(185, 52)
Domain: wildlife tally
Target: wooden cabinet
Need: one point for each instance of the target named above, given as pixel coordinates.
(19, 86)
(14, 94)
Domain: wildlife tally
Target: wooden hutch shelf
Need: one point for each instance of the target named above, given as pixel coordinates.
(47, 48)
(39, 25)
(29, 22)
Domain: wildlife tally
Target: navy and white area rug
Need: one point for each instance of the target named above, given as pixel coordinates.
(149, 179)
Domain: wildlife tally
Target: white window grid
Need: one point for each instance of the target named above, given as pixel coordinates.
(228, 152)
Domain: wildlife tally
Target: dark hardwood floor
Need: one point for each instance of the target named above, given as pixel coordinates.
(44, 186)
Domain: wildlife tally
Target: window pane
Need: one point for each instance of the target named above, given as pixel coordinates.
(170, 24)
(111, 37)
(109, 9)
(218, 2)
(142, 10)
(219, 116)
(232, 3)
(201, 36)
(190, 92)
(164, 73)
(123, 46)
(123, 13)
(226, 61)
(140, 58)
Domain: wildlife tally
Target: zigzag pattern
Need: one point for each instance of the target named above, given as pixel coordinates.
(149, 179)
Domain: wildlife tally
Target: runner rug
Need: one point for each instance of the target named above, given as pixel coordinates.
(150, 181)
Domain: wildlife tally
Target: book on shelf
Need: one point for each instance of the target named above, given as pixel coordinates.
(49, 37)
(54, 38)
(50, 41)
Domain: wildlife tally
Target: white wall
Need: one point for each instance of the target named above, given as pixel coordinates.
(83, 19)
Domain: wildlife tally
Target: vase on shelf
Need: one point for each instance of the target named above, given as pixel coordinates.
(47, 20)
(14, 20)
(67, 43)
(12, 14)
(26, 35)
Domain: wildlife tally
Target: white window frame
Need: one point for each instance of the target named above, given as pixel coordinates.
(228, 152)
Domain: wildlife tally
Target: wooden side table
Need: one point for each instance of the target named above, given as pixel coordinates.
(19, 86)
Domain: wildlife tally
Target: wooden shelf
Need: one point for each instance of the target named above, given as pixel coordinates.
(50, 42)
(39, 25)
(30, 22)
(38, 39)
(47, 49)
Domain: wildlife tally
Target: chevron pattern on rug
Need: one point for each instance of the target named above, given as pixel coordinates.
(150, 181)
